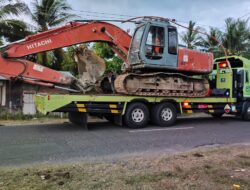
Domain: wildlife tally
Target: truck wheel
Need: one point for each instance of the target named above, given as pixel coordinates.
(164, 114)
(136, 116)
(246, 111)
(217, 115)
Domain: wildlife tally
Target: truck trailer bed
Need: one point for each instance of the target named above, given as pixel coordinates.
(113, 103)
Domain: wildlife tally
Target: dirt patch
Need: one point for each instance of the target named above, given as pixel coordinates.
(32, 121)
(214, 168)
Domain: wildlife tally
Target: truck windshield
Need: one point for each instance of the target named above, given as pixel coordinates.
(135, 45)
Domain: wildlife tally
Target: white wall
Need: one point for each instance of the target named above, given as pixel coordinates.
(3, 93)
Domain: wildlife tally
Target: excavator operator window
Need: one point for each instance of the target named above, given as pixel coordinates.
(155, 43)
(172, 40)
(133, 56)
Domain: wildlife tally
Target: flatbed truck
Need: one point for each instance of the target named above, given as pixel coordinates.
(230, 94)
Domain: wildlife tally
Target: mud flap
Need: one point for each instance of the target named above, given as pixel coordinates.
(246, 111)
(118, 120)
(79, 118)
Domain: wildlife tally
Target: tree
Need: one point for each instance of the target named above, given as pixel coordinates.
(103, 50)
(12, 29)
(236, 38)
(113, 62)
(69, 63)
(47, 14)
(191, 38)
(212, 42)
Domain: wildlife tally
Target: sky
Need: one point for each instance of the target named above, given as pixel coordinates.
(204, 12)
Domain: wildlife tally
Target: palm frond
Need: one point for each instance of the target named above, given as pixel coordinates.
(13, 9)
(49, 13)
(13, 29)
(191, 38)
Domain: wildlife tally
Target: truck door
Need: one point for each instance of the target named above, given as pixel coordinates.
(247, 85)
(240, 83)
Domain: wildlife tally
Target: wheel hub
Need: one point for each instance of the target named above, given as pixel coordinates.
(166, 114)
(137, 115)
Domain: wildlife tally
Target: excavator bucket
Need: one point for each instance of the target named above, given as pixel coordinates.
(91, 68)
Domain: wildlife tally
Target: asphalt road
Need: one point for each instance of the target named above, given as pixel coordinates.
(66, 142)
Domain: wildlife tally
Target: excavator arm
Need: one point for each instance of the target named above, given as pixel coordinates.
(71, 34)
(13, 64)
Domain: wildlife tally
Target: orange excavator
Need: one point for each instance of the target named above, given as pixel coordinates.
(14, 65)
(155, 64)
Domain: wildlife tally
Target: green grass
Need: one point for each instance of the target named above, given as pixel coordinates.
(18, 115)
(216, 168)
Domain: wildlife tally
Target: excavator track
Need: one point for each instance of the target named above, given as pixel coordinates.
(161, 84)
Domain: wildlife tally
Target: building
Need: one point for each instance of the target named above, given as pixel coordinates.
(17, 96)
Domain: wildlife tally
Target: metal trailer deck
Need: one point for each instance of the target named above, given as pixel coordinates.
(116, 104)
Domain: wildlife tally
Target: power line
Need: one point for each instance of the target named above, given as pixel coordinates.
(96, 14)
(106, 17)
(104, 13)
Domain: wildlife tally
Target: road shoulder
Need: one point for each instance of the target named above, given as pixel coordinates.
(224, 167)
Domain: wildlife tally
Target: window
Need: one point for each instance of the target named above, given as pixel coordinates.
(172, 40)
(247, 77)
(155, 43)
(215, 66)
(136, 45)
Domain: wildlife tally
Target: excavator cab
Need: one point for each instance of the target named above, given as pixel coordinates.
(154, 45)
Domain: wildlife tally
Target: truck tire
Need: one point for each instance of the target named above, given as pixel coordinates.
(246, 111)
(164, 114)
(136, 115)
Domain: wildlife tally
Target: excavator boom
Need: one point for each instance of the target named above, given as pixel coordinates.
(68, 35)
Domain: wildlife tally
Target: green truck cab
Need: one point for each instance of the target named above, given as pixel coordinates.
(229, 93)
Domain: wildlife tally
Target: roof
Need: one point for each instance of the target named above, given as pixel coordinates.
(3, 78)
(245, 61)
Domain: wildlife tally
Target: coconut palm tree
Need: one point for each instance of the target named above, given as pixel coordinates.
(10, 28)
(237, 36)
(47, 14)
(191, 38)
(50, 13)
(212, 40)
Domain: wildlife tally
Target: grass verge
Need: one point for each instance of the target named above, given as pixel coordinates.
(214, 168)
(34, 121)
